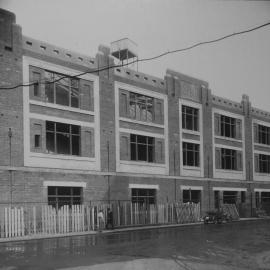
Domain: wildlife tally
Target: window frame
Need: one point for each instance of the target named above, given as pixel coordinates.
(264, 162)
(55, 199)
(227, 125)
(69, 135)
(136, 144)
(195, 152)
(195, 117)
(228, 153)
(54, 82)
(138, 103)
(146, 198)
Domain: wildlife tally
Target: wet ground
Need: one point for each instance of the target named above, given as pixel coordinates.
(237, 245)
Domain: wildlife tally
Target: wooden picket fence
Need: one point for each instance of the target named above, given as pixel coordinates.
(35, 220)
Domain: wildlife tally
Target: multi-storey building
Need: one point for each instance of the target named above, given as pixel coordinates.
(81, 133)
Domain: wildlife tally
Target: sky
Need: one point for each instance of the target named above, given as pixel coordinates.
(232, 67)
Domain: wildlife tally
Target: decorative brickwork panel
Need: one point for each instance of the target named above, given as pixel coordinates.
(86, 95)
(37, 136)
(124, 103)
(87, 142)
(159, 151)
(159, 111)
(190, 91)
(124, 146)
(37, 90)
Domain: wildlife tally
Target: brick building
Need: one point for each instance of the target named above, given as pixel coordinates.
(118, 134)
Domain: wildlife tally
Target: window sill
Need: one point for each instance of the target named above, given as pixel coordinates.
(60, 107)
(262, 174)
(65, 157)
(228, 138)
(262, 145)
(229, 171)
(192, 168)
(141, 122)
(193, 132)
(142, 163)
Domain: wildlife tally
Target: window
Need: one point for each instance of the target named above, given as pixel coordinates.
(142, 148)
(243, 196)
(141, 107)
(191, 196)
(230, 197)
(264, 163)
(62, 138)
(228, 125)
(264, 134)
(190, 118)
(59, 196)
(228, 159)
(62, 90)
(143, 196)
(191, 154)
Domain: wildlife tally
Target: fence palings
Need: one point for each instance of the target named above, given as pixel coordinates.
(48, 220)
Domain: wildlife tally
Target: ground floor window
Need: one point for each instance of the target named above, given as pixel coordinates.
(230, 197)
(143, 196)
(191, 196)
(59, 196)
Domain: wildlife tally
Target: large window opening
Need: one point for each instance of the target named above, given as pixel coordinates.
(228, 125)
(142, 148)
(62, 138)
(191, 154)
(193, 196)
(264, 134)
(190, 118)
(59, 196)
(143, 196)
(228, 159)
(264, 163)
(62, 90)
(141, 107)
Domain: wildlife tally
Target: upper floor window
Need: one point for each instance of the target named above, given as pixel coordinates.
(191, 154)
(190, 118)
(141, 107)
(228, 159)
(229, 127)
(62, 138)
(262, 163)
(142, 148)
(49, 86)
(61, 89)
(261, 134)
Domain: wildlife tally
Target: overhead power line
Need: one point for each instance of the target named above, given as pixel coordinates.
(143, 59)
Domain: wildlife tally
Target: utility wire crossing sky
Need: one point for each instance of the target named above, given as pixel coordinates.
(141, 60)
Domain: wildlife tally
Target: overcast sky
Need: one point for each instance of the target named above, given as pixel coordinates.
(236, 66)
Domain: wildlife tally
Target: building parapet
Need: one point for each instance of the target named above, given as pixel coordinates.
(139, 77)
(224, 102)
(260, 113)
(50, 50)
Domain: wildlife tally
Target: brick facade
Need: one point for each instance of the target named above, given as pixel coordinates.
(104, 165)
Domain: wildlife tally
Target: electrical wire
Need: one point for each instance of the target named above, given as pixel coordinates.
(140, 60)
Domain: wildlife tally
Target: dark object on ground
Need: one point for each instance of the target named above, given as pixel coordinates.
(216, 217)
(109, 224)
